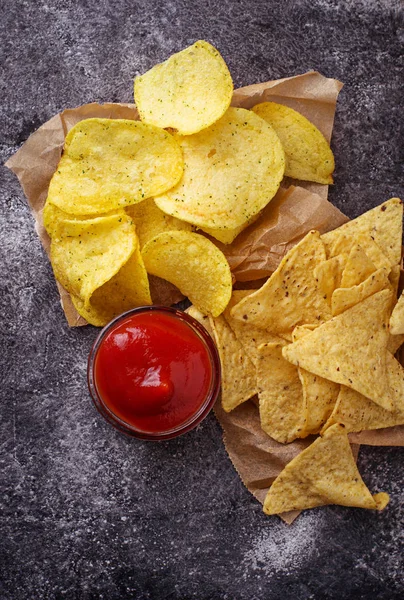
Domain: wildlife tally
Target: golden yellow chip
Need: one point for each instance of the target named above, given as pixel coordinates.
(344, 298)
(188, 92)
(86, 254)
(232, 170)
(308, 154)
(283, 411)
(227, 236)
(383, 224)
(192, 311)
(324, 473)
(238, 372)
(194, 264)
(291, 296)
(112, 163)
(329, 274)
(344, 243)
(358, 267)
(127, 289)
(397, 317)
(350, 349)
(149, 221)
(394, 278)
(394, 342)
(320, 395)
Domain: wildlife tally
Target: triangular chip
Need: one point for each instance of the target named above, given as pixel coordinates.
(394, 278)
(194, 312)
(324, 473)
(343, 243)
(358, 267)
(320, 395)
(344, 298)
(291, 296)
(329, 274)
(397, 317)
(394, 342)
(281, 403)
(238, 372)
(350, 349)
(383, 223)
(358, 413)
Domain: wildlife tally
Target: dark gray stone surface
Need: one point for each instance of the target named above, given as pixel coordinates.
(85, 512)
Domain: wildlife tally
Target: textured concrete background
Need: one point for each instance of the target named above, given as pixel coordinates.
(85, 512)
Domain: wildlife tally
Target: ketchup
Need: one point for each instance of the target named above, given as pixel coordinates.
(153, 371)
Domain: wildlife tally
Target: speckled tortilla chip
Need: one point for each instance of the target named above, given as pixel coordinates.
(238, 372)
(324, 473)
(291, 296)
(329, 273)
(345, 298)
(320, 395)
(343, 243)
(282, 408)
(358, 267)
(383, 224)
(351, 349)
(194, 312)
(358, 413)
(394, 342)
(397, 317)
(394, 278)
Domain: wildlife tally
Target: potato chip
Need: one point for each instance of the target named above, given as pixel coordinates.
(127, 289)
(238, 372)
(89, 253)
(344, 298)
(397, 317)
(194, 264)
(149, 221)
(291, 296)
(188, 92)
(232, 170)
(283, 411)
(320, 395)
(308, 154)
(227, 236)
(383, 224)
(350, 349)
(358, 267)
(324, 473)
(328, 275)
(112, 163)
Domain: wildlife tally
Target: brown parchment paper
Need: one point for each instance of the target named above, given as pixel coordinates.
(297, 208)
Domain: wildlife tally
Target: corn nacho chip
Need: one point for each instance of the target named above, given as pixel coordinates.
(344, 298)
(149, 221)
(358, 267)
(291, 296)
(188, 92)
(308, 154)
(192, 311)
(194, 264)
(232, 170)
(324, 473)
(320, 395)
(397, 317)
(282, 408)
(111, 163)
(350, 349)
(328, 274)
(86, 254)
(383, 224)
(394, 342)
(238, 372)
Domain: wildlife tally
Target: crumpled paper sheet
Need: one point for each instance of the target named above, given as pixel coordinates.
(297, 208)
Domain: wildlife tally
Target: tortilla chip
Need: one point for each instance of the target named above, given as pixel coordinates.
(324, 473)
(350, 349)
(394, 342)
(358, 267)
(383, 224)
(194, 312)
(238, 372)
(282, 408)
(329, 273)
(394, 278)
(345, 298)
(320, 395)
(291, 296)
(397, 317)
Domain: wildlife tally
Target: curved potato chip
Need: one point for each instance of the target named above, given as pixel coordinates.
(227, 236)
(232, 170)
(53, 217)
(111, 163)
(188, 92)
(149, 221)
(89, 253)
(194, 264)
(308, 154)
(127, 289)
